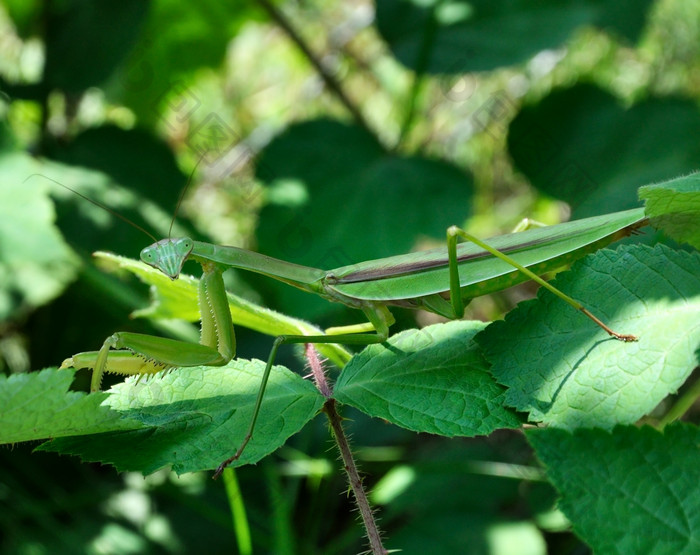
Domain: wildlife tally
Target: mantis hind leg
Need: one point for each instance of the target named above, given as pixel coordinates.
(453, 233)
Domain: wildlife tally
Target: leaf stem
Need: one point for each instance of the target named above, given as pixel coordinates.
(681, 406)
(238, 512)
(341, 440)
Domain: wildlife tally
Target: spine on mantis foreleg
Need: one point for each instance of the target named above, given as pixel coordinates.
(128, 353)
(123, 362)
(217, 327)
(142, 354)
(119, 362)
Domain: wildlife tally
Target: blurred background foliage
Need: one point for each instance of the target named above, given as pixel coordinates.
(326, 132)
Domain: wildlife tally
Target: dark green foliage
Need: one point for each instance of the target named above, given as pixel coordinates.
(461, 36)
(649, 476)
(592, 103)
(568, 145)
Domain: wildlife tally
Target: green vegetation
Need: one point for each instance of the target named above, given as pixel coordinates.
(321, 136)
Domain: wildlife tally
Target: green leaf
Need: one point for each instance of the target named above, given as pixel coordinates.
(674, 207)
(582, 146)
(24, 14)
(39, 405)
(178, 39)
(151, 172)
(180, 299)
(336, 197)
(87, 40)
(35, 262)
(479, 35)
(566, 371)
(430, 380)
(632, 490)
(194, 418)
(452, 532)
(421, 498)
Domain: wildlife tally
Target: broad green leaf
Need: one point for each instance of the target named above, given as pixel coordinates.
(137, 160)
(564, 370)
(35, 262)
(478, 35)
(674, 207)
(8, 140)
(454, 532)
(178, 39)
(194, 418)
(582, 146)
(24, 15)
(86, 40)
(39, 405)
(124, 189)
(448, 497)
(179, 299)
(632, 490)
(430, 380)
(336, 197)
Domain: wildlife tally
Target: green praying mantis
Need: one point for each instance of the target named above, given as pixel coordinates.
(441, 281)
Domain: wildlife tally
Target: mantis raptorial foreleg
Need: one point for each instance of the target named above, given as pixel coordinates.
(137, 354)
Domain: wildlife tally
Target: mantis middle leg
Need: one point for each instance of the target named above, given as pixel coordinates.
(380, 319)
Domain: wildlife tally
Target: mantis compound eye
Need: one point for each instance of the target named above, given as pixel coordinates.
(148, 255)
(184, 246)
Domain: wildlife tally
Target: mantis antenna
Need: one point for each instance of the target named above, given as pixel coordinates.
(121, 216)
(182, 195)
(96, 203)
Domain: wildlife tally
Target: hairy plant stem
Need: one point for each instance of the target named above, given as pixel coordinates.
(341, 440)
(331, 82)
(317, 372)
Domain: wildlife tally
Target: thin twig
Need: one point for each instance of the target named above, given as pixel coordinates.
(422, 61)
(326, 75)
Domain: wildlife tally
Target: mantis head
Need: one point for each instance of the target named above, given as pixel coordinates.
(168, 255)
